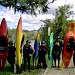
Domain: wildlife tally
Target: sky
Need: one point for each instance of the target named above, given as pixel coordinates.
(32, 22)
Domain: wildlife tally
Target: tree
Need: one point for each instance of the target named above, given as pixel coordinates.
(47, 23)
(11, 32)
(60, 23)
(28, 6)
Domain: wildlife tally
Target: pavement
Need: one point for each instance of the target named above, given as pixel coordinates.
(57, 71)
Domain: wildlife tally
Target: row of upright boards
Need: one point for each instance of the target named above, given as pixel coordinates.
(67, 55)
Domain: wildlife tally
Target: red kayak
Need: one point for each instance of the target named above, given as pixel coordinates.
(3, 43)
(68, 51)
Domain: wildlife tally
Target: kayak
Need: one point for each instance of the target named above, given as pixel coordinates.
(36, 46)
(19, 36)
(3, 43)
(51, 47)
(68, 51)
(36, 50)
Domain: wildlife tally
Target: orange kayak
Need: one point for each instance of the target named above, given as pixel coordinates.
(3, 43)
(67, 55)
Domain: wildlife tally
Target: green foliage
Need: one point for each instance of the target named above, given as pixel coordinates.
(10, 33)
(28, 6)
(27, 34)
(61, 16)
(30, 34)
(8, 71)
(60, 24)
(44, 33)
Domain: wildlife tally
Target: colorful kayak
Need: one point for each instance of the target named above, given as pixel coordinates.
(3, 43)
(36, 50)
(51, 47)
(68, 52)
(36, 45)
(19, 36)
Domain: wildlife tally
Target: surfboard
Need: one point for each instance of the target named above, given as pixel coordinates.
(3, 43)
(19, 36)
(51, 48)
(67, 52)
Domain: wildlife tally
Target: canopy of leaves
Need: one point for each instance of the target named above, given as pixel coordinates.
(60, 23)
(28, 6)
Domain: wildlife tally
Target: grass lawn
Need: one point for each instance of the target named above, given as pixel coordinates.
(8, 71)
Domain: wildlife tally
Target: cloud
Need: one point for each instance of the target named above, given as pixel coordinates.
(28, 22)
(31, 22)
(58, 3)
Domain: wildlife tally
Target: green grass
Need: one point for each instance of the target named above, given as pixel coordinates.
(8, 70)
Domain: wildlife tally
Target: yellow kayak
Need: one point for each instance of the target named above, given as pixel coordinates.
(38, 37)
(19, 36)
